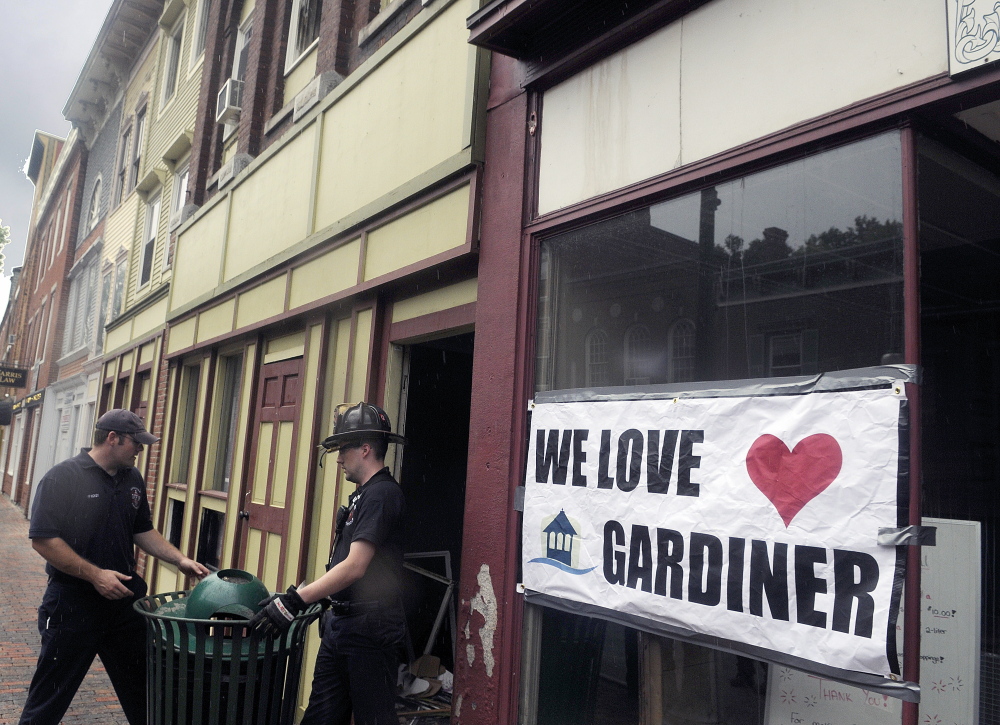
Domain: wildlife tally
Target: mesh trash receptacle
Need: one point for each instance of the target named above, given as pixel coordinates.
(209, 669)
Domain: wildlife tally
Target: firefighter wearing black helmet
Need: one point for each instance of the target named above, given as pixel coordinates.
(363, 633)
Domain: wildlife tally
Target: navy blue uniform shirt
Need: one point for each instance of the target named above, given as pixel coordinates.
(375, 515)
(95, 513)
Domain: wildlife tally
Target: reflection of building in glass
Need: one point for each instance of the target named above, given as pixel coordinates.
(627, 302)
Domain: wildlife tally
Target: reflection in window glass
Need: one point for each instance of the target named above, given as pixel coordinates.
(597, 358)
(589, 671)
(228, 416)
(175, 522)
(960, 359)
(790, 271)
(307, 24)
(186, 419)
(680, 345)
(638, 355)
(210, 538)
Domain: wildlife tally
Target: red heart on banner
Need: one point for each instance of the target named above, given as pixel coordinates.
(792, 478)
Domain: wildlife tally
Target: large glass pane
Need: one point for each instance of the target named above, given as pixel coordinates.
(589, 671)
(228, 417)
(181, 465)
(960, 353)
(791, 271)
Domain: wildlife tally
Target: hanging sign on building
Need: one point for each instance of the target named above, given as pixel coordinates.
(11, 377)
(749, 523)
(973, 34)
(29, 401)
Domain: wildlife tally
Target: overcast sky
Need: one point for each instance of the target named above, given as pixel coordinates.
(45, 43)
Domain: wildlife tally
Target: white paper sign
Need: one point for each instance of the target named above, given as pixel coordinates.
(752, 519)
(949, 649)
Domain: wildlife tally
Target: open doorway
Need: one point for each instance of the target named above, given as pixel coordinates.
(438, 392)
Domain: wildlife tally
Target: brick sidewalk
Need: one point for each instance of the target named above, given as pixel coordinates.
(22, 581)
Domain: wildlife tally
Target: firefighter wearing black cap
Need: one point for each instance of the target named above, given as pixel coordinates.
(364, 631)
(89, 512)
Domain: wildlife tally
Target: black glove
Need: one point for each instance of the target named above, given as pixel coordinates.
(278, 612)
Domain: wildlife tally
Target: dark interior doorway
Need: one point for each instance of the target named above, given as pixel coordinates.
(438, 395)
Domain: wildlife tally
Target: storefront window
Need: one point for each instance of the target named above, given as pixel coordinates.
(960, 357)
(791, 271)
(795, 270)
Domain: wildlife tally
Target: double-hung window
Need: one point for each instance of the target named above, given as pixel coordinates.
(121, 271)
(149, 240)
(179, 194)
(200, 37)
(123, 159)
(140, 131)
(303, 31)
(94, 212)
(173, 59)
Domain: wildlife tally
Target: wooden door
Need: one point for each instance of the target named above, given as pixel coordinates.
(267, 497)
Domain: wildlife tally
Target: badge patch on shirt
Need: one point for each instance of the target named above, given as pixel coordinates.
(136, 497)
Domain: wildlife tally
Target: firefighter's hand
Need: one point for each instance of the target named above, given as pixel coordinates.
(108, 584)
(278, 612)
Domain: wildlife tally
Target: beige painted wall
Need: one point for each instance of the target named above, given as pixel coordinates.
(392, 127)
(433, 228)
(723, 75)
(331, 272)
(198, 258)
(300, 75)
(404, 119)
(270, 207)
(444, 298)
(438, 226)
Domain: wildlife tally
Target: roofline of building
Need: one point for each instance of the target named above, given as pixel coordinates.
(99, 53)
(94, 55)
(36, 155)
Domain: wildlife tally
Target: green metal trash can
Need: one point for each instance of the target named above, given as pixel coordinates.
(204, 667)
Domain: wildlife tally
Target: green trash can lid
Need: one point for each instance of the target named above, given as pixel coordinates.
(229, 593)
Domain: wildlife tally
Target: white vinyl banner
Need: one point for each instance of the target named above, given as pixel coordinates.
(751, 519)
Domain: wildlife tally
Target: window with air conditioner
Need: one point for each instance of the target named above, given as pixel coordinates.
(230, 99)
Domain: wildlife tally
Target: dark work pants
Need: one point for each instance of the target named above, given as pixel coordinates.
(77, 623)
(356, 669)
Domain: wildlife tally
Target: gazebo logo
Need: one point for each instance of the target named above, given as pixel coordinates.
(559, 542)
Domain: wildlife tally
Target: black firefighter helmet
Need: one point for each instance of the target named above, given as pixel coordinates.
(355, 423)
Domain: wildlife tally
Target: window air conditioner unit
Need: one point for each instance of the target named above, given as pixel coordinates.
(228, 103)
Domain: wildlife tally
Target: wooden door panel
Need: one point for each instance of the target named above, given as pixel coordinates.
(269, 490)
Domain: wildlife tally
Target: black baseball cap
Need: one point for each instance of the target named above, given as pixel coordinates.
(125, 421)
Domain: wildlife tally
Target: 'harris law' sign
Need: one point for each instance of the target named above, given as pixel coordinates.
(13, 377)
(752, 520)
